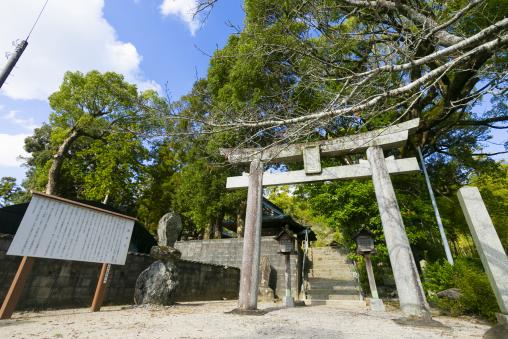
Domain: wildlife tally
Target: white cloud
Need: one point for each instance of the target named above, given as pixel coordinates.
(184, 9)
(13, 117)
(71, 35)
(11, 148)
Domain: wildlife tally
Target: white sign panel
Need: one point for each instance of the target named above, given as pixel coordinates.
(57, 228)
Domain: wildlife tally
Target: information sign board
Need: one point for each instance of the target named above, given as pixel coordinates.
(58, 228)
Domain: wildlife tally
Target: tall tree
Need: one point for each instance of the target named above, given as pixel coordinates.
(92, 146)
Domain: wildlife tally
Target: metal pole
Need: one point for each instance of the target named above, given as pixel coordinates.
(11, 62)
(436, 211)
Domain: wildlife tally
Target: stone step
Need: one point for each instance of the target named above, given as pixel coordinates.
(339, 290)
(333, 296)
(334, 261)
(327, 264)
(344, 268)
(330, 284)
(332, 289)
(327, 257)
(346, 304)
(331, 273)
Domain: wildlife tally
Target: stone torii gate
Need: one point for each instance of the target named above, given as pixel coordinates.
(411, 296)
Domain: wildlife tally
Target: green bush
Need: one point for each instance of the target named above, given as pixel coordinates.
(477, 297)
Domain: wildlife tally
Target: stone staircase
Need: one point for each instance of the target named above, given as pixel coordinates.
(331, 278)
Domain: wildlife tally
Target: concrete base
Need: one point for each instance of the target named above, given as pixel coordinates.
(377, 305)
(502, 319)
(288, 302)
(497, 332)
(266, 294)
(500, 331)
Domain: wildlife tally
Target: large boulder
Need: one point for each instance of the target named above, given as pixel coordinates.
(169, 228)
(451, 293)
(158, 283)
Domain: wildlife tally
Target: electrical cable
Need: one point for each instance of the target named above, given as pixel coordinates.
(37, 20)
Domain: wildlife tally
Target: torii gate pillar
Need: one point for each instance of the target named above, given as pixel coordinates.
(411, 296)
(249, 275)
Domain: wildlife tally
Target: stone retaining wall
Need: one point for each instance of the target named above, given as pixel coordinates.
(228, 252)
(58, 283)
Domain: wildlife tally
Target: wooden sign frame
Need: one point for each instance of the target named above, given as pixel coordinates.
(25, 267)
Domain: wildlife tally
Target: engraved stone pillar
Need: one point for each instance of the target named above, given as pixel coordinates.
(409, 288)
(249, 275)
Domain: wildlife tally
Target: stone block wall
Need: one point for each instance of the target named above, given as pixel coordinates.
(228, 252)
(59, 284)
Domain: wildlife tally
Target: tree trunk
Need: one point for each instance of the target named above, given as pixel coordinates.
(58, 158)
(207, 232)
(240, 219)
(217, 230)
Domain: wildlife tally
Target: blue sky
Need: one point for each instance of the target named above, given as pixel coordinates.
(154, 43)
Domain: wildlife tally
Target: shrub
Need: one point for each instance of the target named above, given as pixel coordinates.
(477, 297)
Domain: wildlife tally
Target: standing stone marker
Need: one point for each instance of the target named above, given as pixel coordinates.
(265, 292)
(487, 243)
(170, 226)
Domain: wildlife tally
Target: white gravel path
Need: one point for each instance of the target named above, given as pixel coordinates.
(209, 320)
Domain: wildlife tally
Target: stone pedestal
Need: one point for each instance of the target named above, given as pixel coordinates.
(377, 305)
(288, 301)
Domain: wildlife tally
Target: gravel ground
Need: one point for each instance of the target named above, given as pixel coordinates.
(210, 320)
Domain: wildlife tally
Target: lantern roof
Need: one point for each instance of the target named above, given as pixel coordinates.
(283, 232)
(363, 232)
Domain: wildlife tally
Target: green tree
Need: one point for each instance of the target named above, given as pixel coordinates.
(10, 192)
(92, 146)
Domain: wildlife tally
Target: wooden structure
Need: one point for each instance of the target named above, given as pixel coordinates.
(411, 295)
(53, 227)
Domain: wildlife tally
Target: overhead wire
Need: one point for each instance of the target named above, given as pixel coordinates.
(37, 20)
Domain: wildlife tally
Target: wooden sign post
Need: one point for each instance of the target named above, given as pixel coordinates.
(16, 288)
(57, 228)
(98, 297)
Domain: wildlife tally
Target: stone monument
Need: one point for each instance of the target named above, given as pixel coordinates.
(170, 226)
(265, 292)
(158, 283)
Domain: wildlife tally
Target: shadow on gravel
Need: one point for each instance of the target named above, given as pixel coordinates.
(419, 322)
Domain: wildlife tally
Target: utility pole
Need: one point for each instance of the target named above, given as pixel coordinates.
(13, 59)
(436, 211)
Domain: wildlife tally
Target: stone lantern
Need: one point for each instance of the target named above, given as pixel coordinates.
(364, 242)
(286, 241)
(365, 246)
